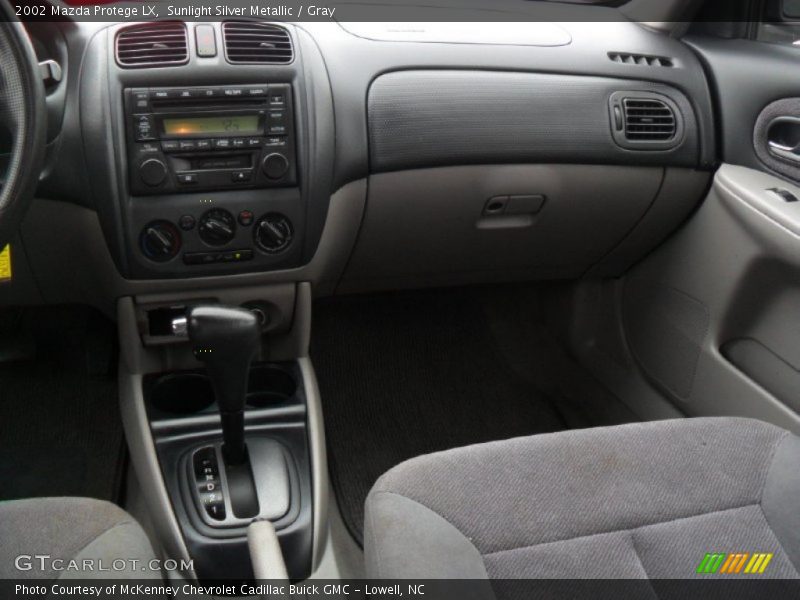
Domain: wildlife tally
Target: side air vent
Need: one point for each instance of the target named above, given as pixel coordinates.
(648, 120)
(643, 120)
(640, 59)
(152, 45)
(256, 43)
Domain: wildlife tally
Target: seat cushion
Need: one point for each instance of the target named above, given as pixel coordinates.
(71, 529)
(645, 500)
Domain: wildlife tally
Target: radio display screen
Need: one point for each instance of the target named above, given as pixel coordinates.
(232, 125)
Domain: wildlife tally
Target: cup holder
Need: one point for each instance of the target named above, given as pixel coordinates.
(182, 393)
(268, 386)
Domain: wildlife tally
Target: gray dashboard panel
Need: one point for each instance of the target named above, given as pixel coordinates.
(433, 117)
(354, 63)
(430, 227)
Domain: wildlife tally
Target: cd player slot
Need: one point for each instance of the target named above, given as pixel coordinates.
(204, 103)
(207, 163)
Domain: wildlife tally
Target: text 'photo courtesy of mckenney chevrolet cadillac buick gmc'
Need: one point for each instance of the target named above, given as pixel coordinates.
(444, 300)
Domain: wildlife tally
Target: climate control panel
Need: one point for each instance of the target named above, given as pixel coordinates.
(161, 240)
(225, 232)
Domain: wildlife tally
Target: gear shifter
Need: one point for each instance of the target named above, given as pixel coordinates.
(226, 339)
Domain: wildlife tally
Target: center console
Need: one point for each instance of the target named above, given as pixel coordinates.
(215, 501)
(211, 167)
(224, 428)
(220, 161)
(212, 179)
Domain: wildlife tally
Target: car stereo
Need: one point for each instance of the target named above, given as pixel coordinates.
(210, 138)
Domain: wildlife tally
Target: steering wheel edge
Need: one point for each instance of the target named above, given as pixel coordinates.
(27, 154)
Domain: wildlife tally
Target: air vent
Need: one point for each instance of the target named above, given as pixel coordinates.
(640, 59)
(152, 45)
(256, 43)
(648, 120)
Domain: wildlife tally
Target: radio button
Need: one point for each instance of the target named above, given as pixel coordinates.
(160, 94)
(204, 144)
(239, 142)
(276, 122)
(148, 148)
(184, 93)
(170, 145)
(277, 98)
(222, 143)
(153, 172)
(143, 124)
(257, 91)
(254, 142)
(141, 100)
(233, 91)
(276, 116)
(186, 145)
(275, 165)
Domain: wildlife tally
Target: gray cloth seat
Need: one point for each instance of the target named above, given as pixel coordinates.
(639, 501)
(72, 529)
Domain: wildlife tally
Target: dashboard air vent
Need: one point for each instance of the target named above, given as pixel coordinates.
(152, 45)
(640, 59)
(256, 43)
(648, 120)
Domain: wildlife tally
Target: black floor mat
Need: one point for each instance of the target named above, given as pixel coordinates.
(60, 428)
(407, 374)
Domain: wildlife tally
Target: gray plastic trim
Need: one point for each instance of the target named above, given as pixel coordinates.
(766, 368)
(523, 33)
(140, 440)
(436, 118)
(428, 227)
(320, 483)
(738, 261)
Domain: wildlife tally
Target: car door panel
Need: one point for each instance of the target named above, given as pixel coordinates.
(712, 316)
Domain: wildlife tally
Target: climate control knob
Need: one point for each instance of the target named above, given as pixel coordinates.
(217, 227)
(273, 233)
(275, 165)
(160, 241)
(153, 172)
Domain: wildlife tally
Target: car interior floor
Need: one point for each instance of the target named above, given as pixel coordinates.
(60, 428)
(416, 372)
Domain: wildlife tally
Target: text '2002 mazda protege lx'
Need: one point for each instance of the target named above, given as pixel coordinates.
(450, 299)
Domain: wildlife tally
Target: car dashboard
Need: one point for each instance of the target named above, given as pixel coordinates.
(202, 161)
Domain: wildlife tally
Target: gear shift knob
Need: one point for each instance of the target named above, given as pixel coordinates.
(226, 339)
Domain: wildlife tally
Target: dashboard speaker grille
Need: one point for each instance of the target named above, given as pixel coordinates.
(640, 59)
(256, 43)
(152, 45)
(648, 120)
